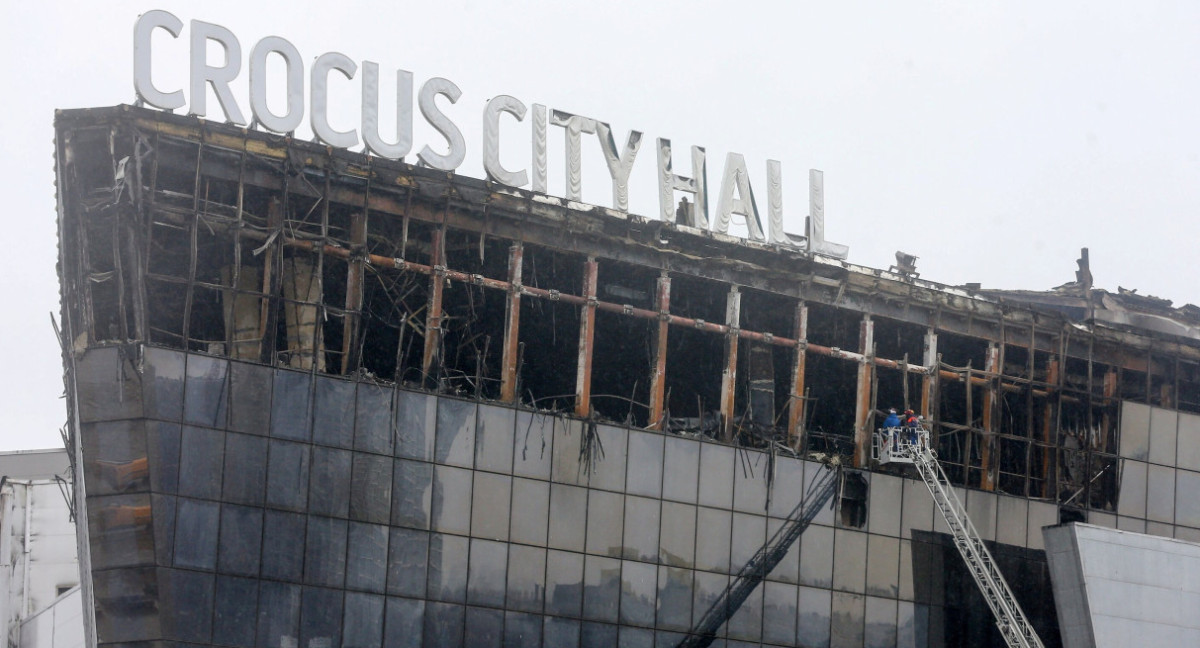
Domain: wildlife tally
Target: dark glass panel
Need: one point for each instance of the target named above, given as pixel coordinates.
(526, 577)
(107, 385)
(597, 635)
(494, 438)
(249, 393)
(408, 561)
(813, 618)
(233, 611)
(639, 587)
(485, 582)
(746, 623)
(200, 462)
(788, 569)
(405, 623)
(880, 623)
(283, 545)
(162, 446)
(287, 475)
(278, 614)
(750, 482)
(816, 556)
(363, 626)
(605, 513)
(240, 540)
(712, 544)
(787, 489)
(635, 638)
(749, 535)
(565, 463)
(373, 419)
(533, 442)
(850, 561)
(489, 510)
(608, 472)
(206, 395)
(521, 629)
(681, 465)
(561, 633)
(883, 563)
(564, 583)
(707, 588)
(196, 533)
(601, 588)
(186, 604)
(412, 488)
(645, 463)
(371, 488)
(321, 617)
(164, 507)
(450, 503)
(126, 605)
(162, 383)
(677, 538)
(641, 529)
(447, 568)
(530, 508)
(674, 598)
(290, 403)
(779, 613)
(325, 552)
(333, 412)
(115, 459)
(444, 625)
(716, 474)
(484, 627)
(455, 432)
(367, 561)
(329, 483)
(415, 424)
(245, 469)
(847, 620)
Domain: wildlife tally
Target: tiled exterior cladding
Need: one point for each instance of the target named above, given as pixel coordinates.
(234, 504)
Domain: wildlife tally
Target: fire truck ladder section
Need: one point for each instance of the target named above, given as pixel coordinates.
(771, 553)
(906, 445)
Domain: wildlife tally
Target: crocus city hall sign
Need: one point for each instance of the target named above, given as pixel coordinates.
(736, 197)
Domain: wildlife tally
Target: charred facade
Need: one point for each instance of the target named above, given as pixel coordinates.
(242, 252)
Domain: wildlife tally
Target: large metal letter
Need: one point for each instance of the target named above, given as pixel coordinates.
(457, 145)
(319, 117)
(816, 219)
(619, 165)
(736, 177)
(143, 85)
(219, 77)
(669, 183)
(370, 113)
(775, 233)
(575, 125)
(290, 120)
(539, 149)
(491, 140)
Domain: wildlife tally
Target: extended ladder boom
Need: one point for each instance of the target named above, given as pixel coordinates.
(763, 562)
(1009, 617)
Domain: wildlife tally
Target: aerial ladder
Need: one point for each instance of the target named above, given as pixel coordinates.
(907, 445)
(757, 568)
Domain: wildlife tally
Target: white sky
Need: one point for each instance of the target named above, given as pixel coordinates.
(991, 140)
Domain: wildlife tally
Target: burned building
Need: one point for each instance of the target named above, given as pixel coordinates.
(320, 398)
